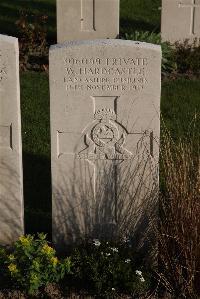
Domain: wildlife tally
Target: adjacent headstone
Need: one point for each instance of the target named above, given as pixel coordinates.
(180, 20)
(105, 106)
(87, 19)
(11, 185)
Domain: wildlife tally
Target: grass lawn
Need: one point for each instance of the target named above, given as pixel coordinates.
(36, 151)
(180, 101)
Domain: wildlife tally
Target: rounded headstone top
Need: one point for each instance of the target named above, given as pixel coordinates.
(9, 39)
(107, 42)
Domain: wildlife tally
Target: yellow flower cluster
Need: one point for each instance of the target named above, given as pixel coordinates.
(25, 241)
(11, 257)
(12, 268)
(46, 249)
(36, 265)
(54, 261)
(34, 278)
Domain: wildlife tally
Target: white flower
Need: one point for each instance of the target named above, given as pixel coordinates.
(142, 279)
(96, 242)
(126, 240)
(127, 261)
(114, 249)
(108, 254)
(113, 289)
(138, 272)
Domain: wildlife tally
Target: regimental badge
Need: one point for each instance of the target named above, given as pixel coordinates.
(104, 140)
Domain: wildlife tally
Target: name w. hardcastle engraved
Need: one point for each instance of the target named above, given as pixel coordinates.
(104, 71)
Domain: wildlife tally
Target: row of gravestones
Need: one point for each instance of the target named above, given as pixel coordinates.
(105, 97)
(105, 106)
(90, 19)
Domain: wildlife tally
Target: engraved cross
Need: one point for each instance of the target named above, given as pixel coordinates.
(192, 7)
(88, 15)
(103, 144)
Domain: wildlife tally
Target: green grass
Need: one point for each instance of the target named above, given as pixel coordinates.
(10, 12)
(36, 151)
(139, 15)
(180, 105)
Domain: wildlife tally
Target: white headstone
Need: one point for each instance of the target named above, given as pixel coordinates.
(180, 20)
(105, 105)
(11, 184)
(87, 19)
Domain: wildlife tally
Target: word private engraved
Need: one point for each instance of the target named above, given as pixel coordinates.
(104, 140)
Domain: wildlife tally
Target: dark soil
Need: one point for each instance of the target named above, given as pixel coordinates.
(53, 291)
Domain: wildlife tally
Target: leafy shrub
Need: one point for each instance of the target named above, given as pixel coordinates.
(180, 58)
(33, 42)
(107, 270)
(168, 61)
(32, 264)
(187, 56)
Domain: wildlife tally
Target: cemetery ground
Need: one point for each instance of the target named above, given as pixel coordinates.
(180, 107)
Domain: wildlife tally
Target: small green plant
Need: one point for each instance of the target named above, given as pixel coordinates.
(2, 260)
(145, 36)
(33, 42)
(168, 61)
(33, 264)
(107, 269)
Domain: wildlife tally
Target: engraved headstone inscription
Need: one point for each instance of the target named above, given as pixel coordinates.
(87, 19)
(105, 104)
(180, 20)
(11, 184)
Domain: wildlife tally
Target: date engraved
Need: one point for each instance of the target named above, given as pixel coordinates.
(108, 74)
(104, 142)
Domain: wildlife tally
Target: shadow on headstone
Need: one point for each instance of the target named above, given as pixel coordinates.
(11, 205)
(118, 200)
(37, 194)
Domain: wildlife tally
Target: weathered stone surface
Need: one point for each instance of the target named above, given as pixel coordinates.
(87, 19)
(11, 185)
(105, 106)
(180, 20)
